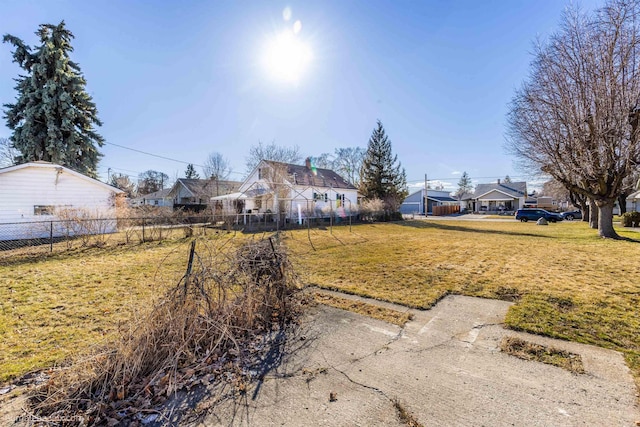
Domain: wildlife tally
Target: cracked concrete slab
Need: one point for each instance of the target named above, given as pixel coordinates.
(444, 367)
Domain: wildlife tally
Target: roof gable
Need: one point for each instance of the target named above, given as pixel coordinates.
(511, 189)
(54, 166)
(204, 187)
(300, 175)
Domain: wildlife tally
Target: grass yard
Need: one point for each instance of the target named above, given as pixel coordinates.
(55, 306)
(566, 282)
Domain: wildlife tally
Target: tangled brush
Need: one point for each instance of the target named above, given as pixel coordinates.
(205, 329)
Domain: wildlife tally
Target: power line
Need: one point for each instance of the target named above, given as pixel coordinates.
(121, 169)
(163, 157)
(154, 155)
(472, 178)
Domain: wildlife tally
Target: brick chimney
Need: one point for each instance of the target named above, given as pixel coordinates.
(498, 181)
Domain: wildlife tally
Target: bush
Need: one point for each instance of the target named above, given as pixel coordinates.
(395, 216)
(631, 219)
(214, 324)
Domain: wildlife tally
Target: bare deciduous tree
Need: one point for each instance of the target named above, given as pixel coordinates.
(8, 153)
(151, 181)
(323, 161)
(217, 167)
(124, 183)
(273, 152)
(348, 163)
(576, 118)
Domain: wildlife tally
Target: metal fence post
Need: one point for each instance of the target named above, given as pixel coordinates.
(51, 237)
(144, 220)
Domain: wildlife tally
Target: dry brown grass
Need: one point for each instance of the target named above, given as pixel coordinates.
(567, 283)
(205, 326)
(551, 356)
(405, 416)
(392, 316)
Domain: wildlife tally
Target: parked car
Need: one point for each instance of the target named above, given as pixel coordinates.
(570, 216)
(525, 215)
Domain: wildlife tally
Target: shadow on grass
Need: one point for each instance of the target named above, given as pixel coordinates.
(440, 226)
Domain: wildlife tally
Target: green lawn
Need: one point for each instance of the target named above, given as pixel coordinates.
(566, 281)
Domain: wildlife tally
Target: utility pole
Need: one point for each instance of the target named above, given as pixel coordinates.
(426, 198)
(108, 175)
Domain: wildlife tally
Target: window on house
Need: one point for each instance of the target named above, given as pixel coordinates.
(43, 210)
(320, 197)
(339, 200)
(155, 202)
(261, 174)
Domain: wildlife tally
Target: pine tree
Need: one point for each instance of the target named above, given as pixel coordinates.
(191, 173)
(382, 176)
(53, 117)
(464, 186)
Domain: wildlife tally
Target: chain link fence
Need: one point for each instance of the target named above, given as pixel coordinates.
(39, 237)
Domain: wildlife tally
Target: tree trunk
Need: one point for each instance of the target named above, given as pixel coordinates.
(622, 202)
(605, 220)
(593, 215)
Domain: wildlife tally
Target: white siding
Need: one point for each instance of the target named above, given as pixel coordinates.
(302, 195)
(49, 185)
(496, 195)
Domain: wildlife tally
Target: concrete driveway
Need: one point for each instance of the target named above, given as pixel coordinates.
(444, 368)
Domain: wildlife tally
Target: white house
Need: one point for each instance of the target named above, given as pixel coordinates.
(633, 202)
(34, 192)
(296, 191)
(160, 198)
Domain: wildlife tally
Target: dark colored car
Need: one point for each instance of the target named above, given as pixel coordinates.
(570, 216)
(525, 215)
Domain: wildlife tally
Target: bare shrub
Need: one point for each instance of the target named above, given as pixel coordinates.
(88, 225)
(206, 326)
(372, 210)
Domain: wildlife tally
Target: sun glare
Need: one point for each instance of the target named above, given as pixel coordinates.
(286, 56)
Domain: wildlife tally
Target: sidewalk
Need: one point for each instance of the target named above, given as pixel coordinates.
(444, 367)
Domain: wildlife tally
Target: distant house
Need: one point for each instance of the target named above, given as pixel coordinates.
(160, 198)
(295, 191)
(415, 202)
(633, 202)
(542, 202)
(499, 197)
(43, 191)
(190, 194)
(196, 194)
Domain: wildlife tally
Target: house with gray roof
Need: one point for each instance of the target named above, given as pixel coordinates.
(633, 202)
(415, 202)
(295, 191)
(499, 197)
(196, 194)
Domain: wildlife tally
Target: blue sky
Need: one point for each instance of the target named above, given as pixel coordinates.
(184, 79)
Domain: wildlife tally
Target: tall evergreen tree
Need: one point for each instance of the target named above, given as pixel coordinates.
(465, 186)
(191, 173)
(53, 117)
(382, 176)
